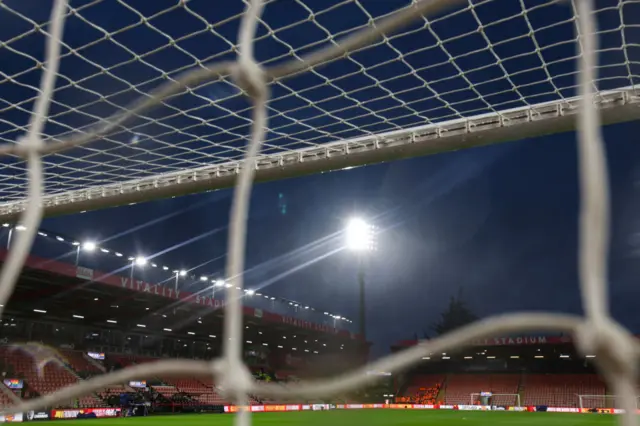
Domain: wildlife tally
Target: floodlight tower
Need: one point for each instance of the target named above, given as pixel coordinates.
(139, 261)
(360, 238)
(179, 273)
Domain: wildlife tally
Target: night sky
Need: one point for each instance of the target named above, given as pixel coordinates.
(499, 222)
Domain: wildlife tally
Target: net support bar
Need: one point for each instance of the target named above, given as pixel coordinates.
(516, 124)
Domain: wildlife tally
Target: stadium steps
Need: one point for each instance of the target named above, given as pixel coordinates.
(521, 388)
(441, 393)
(7, 396)
(96, 364)
(51, 378)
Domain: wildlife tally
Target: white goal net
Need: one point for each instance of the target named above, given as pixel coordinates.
(602, 401)
(497, 69)
(145, 99)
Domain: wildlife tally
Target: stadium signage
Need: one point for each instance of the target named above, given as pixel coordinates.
(140, 286)
(504, 341)
(473, 407)
(38, 416)
(144, 287)
(73, 414)
(208, 301)
(289, 408)
(84, 273)
(11, 418)
(308, 325)
(563, 410)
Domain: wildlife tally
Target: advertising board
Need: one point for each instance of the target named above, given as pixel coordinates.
(79, 412)
(11, 418)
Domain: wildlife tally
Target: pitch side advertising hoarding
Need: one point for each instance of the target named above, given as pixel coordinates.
(288, 408)
(38, 416)
(74, 413)
(12, 418)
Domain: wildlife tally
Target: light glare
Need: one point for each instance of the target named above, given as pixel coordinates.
(359, 235)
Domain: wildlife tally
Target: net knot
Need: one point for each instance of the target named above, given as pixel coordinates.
(234, 380)
(251, 78)
(613, 346)
(28, 144)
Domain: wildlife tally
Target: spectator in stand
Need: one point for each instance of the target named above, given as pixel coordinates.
(424, 396)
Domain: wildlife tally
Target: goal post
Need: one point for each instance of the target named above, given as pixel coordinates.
(495, 397)
(602, 401)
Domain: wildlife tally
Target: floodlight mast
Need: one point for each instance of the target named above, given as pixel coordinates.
(360, 238)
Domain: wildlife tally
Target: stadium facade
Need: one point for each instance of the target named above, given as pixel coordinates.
(85, 314)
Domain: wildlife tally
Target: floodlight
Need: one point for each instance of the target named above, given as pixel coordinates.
(359, 235)
(203, 278)
(183, 273)
(21, 228)
(219, 283)
(89, 246)
(250, 292)
(140, 261)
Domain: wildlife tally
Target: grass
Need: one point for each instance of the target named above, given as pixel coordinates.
(365, 418)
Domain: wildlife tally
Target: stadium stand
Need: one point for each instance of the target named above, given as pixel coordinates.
(460, 387)
(285, 351)
(202, 390)
(422, 389)
(4, 399)
(49, 379)
(78, 362)
(561, 390)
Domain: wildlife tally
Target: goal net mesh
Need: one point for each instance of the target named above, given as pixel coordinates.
(139, 90)
(471, 59)
(602, 401)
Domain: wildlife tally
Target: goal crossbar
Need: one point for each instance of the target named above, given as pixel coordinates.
(518, 123)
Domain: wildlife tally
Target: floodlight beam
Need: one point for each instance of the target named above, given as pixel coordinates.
(359, 235)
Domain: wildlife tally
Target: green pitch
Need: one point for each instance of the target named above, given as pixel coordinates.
(364, 418)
